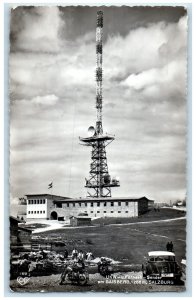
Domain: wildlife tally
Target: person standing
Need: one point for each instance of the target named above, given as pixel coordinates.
(65, 253)
(81, 255)
(74, 253)
(171, 247)
(168, 246)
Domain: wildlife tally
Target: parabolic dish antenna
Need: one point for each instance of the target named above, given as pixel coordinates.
(91, 131)
(116, 179)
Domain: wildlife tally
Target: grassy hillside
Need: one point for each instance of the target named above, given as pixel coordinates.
(127, 243)
(162, 214)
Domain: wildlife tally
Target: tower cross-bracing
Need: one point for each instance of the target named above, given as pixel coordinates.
(99, 183)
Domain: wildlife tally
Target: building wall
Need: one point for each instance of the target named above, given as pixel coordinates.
(103, 209)
(80, 222)
(150, 204)
(142, 206)
(109, 208)
(73, 222)
(37, 208)
(93, 209)
(60, 212)
(50, 208)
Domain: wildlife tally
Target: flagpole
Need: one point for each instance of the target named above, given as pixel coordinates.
(52, 191)
(50, 186)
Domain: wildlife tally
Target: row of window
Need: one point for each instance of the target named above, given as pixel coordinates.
(92, 204)
(37, 201)
(36, 212)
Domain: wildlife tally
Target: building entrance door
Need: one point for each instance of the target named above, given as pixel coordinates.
(53, 215)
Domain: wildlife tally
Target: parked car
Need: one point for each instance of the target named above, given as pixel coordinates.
(183, 266)
(161, 265)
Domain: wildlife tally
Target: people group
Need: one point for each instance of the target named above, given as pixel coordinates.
(80, 255)
(170, 247)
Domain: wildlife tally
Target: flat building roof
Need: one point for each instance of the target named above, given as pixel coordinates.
(56, 198)
(103, 199)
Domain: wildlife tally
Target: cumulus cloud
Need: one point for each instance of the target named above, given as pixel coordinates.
(155, 76)
(40, 29)
(47, 100)
(14, 200)
(52, 91)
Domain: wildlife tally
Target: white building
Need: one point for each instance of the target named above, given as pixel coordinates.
(46, 206)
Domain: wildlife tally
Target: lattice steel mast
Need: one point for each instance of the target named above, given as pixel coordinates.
(99, 52)
(99, 183)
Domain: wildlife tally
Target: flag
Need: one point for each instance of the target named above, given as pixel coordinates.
(50, 185)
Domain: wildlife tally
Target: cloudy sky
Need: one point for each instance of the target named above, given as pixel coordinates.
(52, 99)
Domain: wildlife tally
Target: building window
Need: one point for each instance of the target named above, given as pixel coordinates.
(119, 203)
(104, 211)
(44, 201)
(112, 211)
(127, 203)
(28, 212)
(34, 212)
(34, 201)
(74, 204)
(37, 201)
(85, 204)
(91, 212)
(38, 212)
(112, 203)
(40, 201)
(80, 204)
(67, 204)
(119, 212)
(98, 211)
(31, 212)
(29, 201)
(126, 211)
(59, 205)
(43, 211)
(105, 203)
(98, 203)
(91, 204)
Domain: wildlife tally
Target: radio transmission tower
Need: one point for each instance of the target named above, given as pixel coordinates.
(99, 183)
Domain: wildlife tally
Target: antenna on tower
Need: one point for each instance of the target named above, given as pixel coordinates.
(99, 71)
(99, 183)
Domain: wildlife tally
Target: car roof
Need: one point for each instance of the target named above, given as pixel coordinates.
(160, 253)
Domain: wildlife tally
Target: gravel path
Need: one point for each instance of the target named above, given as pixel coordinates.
(53, 226)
